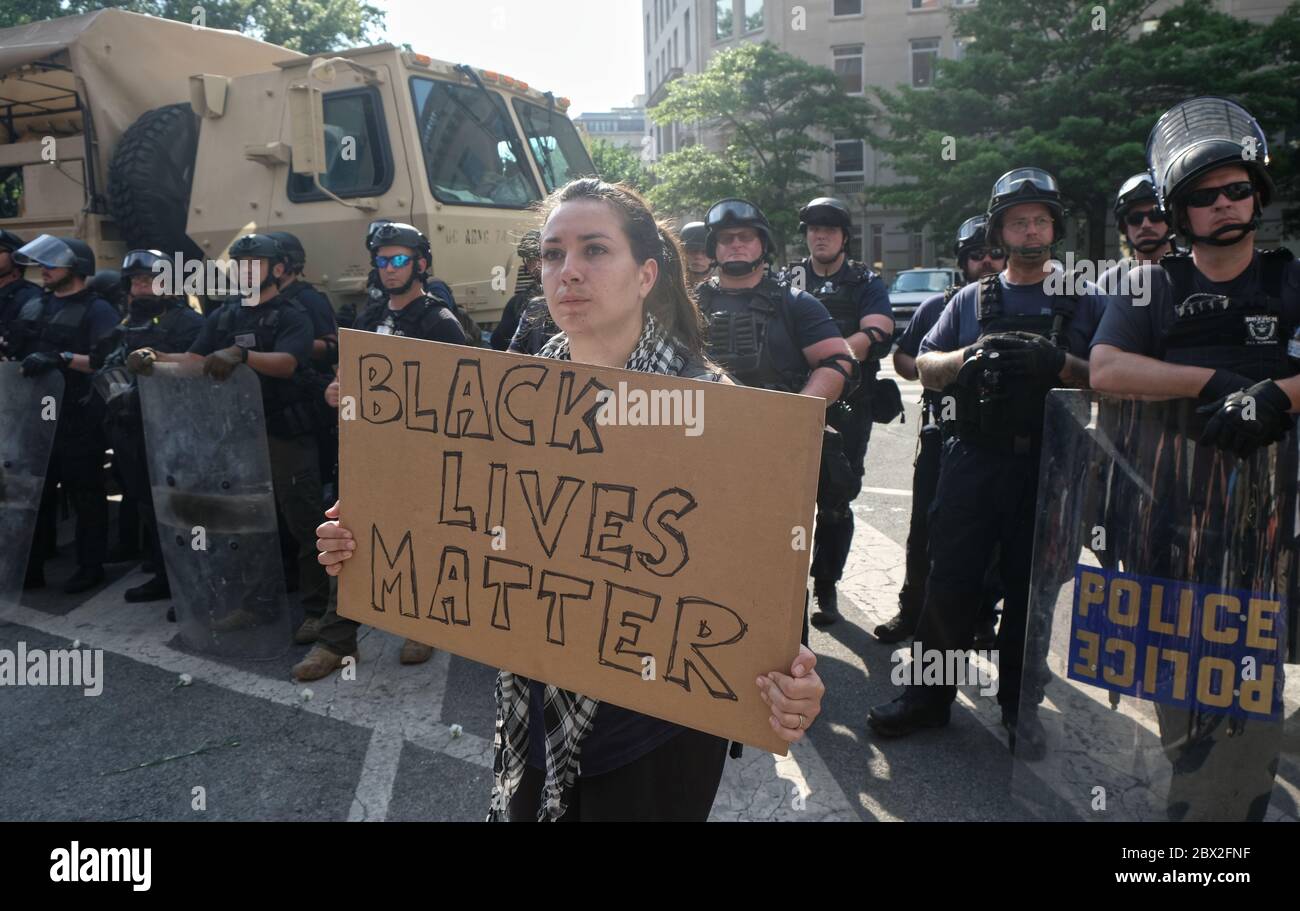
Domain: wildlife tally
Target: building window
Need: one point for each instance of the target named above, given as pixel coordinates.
(850, 157)
(924, 52)
(925, 4)
(753, 15)
(964, 2)
(847, 8)
(722, 21)
(848, 67)
(877, 260)
(647, 36)
(674, 47)
(959, 46)
(686, 36)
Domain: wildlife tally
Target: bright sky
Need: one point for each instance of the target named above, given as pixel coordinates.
(589, 51)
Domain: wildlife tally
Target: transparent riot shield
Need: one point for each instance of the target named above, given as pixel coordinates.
(29, 409)
(210, 472)
(1162, 630)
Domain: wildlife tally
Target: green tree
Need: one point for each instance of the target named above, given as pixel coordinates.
(773, 112)
(618, 164)
(309, 26)
(1055, 84)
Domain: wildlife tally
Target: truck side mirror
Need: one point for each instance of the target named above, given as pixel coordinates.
(307, 128)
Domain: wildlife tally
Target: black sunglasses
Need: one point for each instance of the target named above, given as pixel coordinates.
(1207, 196)
(1156, 216)
(981, 253)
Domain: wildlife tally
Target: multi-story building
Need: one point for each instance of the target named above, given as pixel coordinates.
(621, 127)
(867, 43)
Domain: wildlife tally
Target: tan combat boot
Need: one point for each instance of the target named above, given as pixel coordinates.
(320, 662)
(309, 632)
(415, 652)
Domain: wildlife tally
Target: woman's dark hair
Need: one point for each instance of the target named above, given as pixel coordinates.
(670, 300)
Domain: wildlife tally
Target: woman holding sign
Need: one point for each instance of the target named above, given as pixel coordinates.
(615, 285)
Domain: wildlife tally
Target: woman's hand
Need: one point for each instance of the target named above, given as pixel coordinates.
(335, 543)
(795, 700)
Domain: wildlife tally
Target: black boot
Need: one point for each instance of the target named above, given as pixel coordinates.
(899, 627)
(84, 579)
(906, 715)
(156, 589)
(828, 610)
(35, 578)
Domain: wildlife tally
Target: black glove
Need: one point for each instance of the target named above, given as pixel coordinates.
(1248, 419)
(1022, 355)
(41, 362)
(1221, 385)
(220, 364)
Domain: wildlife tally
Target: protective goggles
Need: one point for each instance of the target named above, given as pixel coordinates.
(397, 262)
(1013, 182)
(733, 211)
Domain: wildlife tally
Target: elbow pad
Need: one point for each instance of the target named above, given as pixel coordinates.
(851, 374)
(881, 342)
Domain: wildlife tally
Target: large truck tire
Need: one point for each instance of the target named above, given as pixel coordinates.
(149, 179)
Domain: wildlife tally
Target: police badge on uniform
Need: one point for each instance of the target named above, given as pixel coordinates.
(1261, 330)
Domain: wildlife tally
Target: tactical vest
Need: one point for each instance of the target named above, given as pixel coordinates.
(739, 340)
(418, 319)
(12, 298)
(66, 330)
(159, 332)
(839, 298)
(1007, 419)
(1247, 334)
(288, 404)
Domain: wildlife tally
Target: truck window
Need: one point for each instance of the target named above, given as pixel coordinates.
(554, 142)
(471, 151)
(356, 149)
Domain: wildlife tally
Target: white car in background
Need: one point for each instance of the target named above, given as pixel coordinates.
(912, 286)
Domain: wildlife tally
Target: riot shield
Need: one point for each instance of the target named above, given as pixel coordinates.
(1162, 621)
(29, 409)
(210, 472)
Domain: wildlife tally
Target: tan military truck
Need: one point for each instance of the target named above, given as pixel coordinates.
(128, 130)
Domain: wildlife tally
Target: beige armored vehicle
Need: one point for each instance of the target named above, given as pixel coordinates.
(132, 131)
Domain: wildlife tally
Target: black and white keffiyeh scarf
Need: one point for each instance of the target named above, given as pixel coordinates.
(568, 716)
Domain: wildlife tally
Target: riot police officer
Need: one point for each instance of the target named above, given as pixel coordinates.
(857, 300)
(400, 254)
(764, 332)
(527, 287)
(15, 289)
(325, 344)
(1145, 233)
(997, 348)
(1218, 325)
(154, 323)
(698, 266)
(58, 331)
(273, 336)
(976, 259)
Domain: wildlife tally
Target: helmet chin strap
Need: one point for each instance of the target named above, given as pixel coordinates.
(741, 268)
(1150, 245)
(1238, 228)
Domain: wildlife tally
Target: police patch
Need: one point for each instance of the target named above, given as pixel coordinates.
(1261, 330)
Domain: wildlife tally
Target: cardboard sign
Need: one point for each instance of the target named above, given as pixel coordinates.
(640, 539)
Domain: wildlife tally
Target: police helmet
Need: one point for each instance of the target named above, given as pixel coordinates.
(735, 213)
(1202, 134)
(58, 253)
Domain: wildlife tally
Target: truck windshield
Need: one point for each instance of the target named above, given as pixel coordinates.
(920, 281)
(555, 144)
(469, 146)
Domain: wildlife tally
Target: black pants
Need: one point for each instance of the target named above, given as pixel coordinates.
(675, 782)
(295, 477)
(925, 483)
(77, 464)
(129, 459)
(985, 500)
(833, 536)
